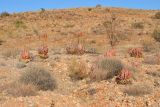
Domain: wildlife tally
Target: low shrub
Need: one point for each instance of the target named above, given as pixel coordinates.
(4, 14)
(38, 77)
(105, 69)
(19, 24)
(10, 53)
(77, 70)
(138, 90)
(78, 49)
(148, 44)
(154, 74)
(16, 89)
(91, 50)
(20, 65)
(138, 25)
(157, 15)
(156, 35)
(152, 60)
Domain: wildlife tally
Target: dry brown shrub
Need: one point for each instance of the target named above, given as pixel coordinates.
(77, 70)
(138, 90)
(10, 53)
(152, 60)
(16, 89)
(148, 44)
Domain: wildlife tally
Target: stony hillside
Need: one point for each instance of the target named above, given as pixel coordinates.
(81, 57)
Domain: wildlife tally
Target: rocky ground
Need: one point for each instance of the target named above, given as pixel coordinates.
(61, 27)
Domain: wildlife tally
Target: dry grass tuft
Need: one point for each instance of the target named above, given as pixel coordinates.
(10, 53)
(16, 89)
(148, 44)
(138, 90)
(77, 70)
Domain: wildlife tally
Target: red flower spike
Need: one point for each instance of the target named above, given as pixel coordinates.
(25, 56)
(43, 50)
(124, 75)
(135, 52)
(110, 53)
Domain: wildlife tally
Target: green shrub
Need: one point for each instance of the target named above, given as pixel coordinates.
(38, 77)
(138, 25)
(156, 35)
(157, 15)
(4, 14)
(105, 69)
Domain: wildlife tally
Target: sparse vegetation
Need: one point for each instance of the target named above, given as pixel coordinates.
(76, 48)
(110, 26)
(138, 25)
(157, 15)
(10, 53)
(39, 77)
(148, 44)
(156, 35)
(91, 50)
(154, 74)
(4, 14)
(97, 39)
(17, 89)
(105, 69)
(152, 60)
(77, 70)
(138, 90)
(19, 24)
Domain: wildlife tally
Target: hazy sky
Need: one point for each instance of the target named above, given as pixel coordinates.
(30, 5)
